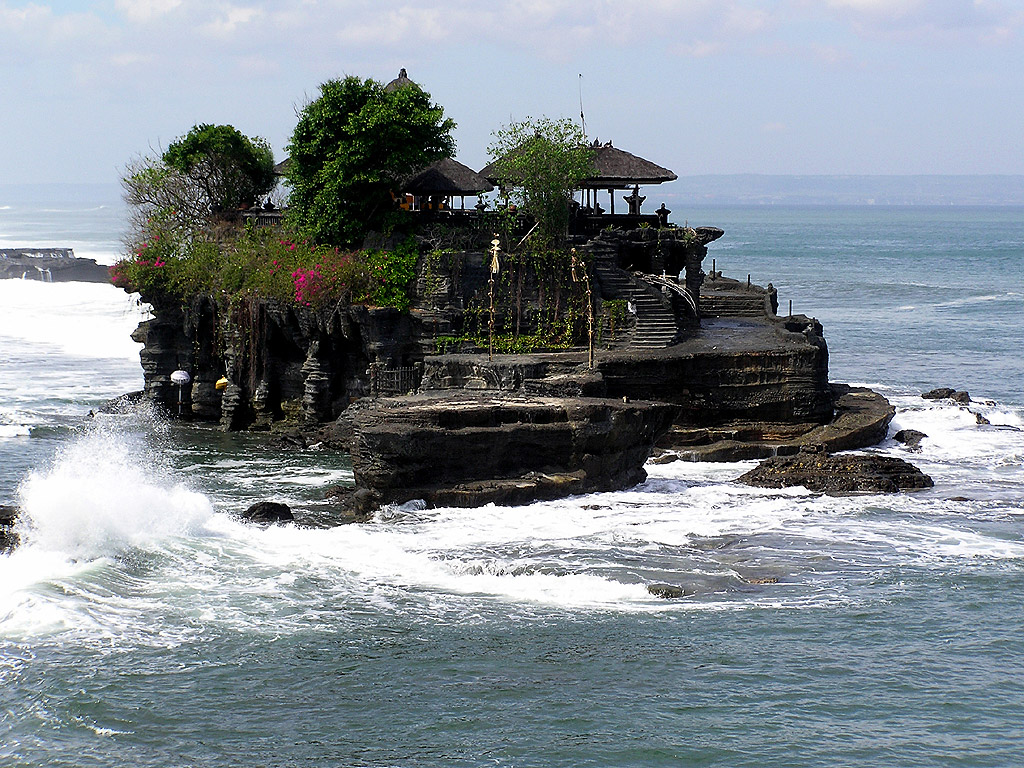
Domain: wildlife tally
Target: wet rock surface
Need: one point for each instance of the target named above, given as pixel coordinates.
(910, 438)
(847, 473)
(947, 393)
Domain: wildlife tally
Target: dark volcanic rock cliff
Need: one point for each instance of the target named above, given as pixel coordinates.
(515, 427)
(468, 450)
(281, 361)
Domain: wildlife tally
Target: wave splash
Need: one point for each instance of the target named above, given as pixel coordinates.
(105, 493)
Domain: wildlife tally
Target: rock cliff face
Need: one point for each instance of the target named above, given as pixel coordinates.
(281, 362)
(290, 363)
(467, 450)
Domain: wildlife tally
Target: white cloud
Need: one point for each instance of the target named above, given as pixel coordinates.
(888, 8)
(146, 10)
(985, 21)
(129, 59)
(230, 19)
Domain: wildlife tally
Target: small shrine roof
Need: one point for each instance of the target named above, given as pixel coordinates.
(447, 177)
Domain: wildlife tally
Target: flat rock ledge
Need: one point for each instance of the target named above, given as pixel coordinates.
(839, 474)
(861, 420)
(463, 449)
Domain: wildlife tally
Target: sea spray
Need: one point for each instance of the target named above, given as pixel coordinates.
(106, 491)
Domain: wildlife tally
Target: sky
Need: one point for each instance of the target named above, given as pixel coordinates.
(699, 86)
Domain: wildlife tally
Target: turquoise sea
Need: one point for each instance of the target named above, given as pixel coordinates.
(142, 625)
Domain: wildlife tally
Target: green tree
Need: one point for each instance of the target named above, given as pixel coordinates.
(211, 170)
(224, 168)
(349, 150)
(540, 163)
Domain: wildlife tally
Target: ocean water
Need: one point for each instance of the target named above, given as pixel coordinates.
(141, 624)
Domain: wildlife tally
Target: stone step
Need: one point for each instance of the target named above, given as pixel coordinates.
(714, 304)
(655, 323)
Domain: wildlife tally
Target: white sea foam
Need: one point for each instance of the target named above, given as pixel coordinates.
(954, 435)
(80, 319)
(103, 510)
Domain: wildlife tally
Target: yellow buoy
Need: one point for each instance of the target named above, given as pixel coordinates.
(222, 383)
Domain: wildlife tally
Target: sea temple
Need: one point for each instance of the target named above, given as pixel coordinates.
(509, 371)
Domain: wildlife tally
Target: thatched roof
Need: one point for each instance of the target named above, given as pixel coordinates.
(281, 169)
(401, 81)
(446, 177)
(616, 168)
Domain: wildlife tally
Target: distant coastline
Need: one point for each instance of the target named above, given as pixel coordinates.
(756, 189)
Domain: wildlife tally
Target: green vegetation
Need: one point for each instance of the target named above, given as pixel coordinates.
(225, 169)
(349, 150)
(184, 239)
(538, 305)
(540, 163)
(211, 171)
(263, 263)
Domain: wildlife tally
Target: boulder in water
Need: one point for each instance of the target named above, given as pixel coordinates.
(838, 474)
(910, 438)
(268, 512)
(947, 393)
(669, 591)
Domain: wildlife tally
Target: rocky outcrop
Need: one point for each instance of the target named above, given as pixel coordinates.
(911, 438)
(733, 369)
(50, 265)
(861, 419)
(948, 393)
(465, 450)
(838, 474)
(8, 536)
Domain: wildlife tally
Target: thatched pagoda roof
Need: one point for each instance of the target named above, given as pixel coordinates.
(401, 81)
(446, 177)
(281, 169)
(614, 168)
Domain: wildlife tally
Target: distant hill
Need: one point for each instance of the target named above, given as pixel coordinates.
(754, 189)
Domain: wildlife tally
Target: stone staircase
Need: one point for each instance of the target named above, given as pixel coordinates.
(655, 321)
(732, 303)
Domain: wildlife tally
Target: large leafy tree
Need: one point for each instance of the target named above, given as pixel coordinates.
(226, 169)
(210, 171)
(349, 150)
(540, 162)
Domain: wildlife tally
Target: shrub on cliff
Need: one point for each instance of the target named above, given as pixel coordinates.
(269, 264)
(349, 149)
(225, 169)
